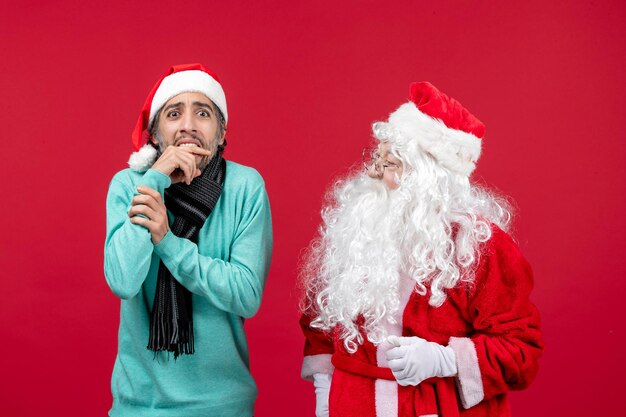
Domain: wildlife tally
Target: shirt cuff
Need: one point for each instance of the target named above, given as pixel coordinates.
(156, 180)
(165, 245)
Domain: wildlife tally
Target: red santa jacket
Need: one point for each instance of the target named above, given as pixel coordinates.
(490, 324)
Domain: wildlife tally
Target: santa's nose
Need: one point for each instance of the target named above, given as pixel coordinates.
(372, 172)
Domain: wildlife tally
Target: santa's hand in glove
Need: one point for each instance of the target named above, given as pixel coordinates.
(415, 359)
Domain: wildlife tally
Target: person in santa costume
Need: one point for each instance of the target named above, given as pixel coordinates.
(416, 298)
(188, 247)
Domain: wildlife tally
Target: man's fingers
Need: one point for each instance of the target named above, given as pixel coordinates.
(145, 200)
(146, 211)
(195, 150)
(187, 163)
(177, 176)
(141, 221)
(179, 163)
(193, 170)
(142, 189)
(143, 210)
(188, 170)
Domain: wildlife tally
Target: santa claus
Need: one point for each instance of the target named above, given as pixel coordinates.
(416, 298)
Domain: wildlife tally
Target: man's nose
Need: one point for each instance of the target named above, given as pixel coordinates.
(188, 122)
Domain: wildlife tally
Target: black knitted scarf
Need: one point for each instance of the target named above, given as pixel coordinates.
(171, 322)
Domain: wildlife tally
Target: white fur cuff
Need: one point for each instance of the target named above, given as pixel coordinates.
(469, 381)
(316, 364)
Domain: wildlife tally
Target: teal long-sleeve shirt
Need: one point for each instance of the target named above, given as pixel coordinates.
(225, 272)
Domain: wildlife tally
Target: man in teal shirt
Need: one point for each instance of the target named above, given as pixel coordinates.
(188, 248)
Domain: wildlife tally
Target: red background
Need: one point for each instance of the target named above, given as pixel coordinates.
(303, 83)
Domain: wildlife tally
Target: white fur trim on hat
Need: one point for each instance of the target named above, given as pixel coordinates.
(454, 149)
(142, 160)
(188, 81)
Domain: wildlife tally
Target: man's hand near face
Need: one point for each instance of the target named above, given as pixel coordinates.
(150, 205)
(179, 163)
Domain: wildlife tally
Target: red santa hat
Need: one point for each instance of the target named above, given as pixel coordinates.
(439, 124)
(176, 80)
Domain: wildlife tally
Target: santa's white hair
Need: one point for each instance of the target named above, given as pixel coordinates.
(430, 228)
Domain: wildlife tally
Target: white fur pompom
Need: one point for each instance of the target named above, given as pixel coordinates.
(143, 159)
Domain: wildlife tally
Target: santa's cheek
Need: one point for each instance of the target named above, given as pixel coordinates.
(392, 181)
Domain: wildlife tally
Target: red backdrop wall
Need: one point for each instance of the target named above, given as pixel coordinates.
(304, 82)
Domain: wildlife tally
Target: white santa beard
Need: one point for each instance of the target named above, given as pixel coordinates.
(360, 262)
(371, 233)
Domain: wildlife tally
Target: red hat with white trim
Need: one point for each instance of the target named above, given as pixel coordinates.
(176, 80)
(441, 126)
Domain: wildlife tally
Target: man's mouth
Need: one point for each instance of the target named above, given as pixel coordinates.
(188, 142)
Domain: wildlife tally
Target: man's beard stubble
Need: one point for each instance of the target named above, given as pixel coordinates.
(203, 162)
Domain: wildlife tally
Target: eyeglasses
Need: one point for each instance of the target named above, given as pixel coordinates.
(372, 157)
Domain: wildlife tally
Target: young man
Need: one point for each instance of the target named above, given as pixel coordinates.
(417, 299)
(188, 247)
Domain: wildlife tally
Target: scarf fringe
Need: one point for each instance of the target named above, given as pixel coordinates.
(158, 335)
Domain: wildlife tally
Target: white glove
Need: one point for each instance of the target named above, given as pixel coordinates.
(415, 359)
(321, 382)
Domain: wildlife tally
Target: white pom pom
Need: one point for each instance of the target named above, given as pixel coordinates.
(143, 159)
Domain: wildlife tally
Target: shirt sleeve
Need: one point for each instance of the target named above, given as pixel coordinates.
(318, 350)
(128, 247)
(236, 285)
(503, 352)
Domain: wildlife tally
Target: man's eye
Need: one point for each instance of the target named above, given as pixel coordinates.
(203, 113)
(173, 113)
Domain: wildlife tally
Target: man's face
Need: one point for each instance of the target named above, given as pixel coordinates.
(189, 119)
(387, 167)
